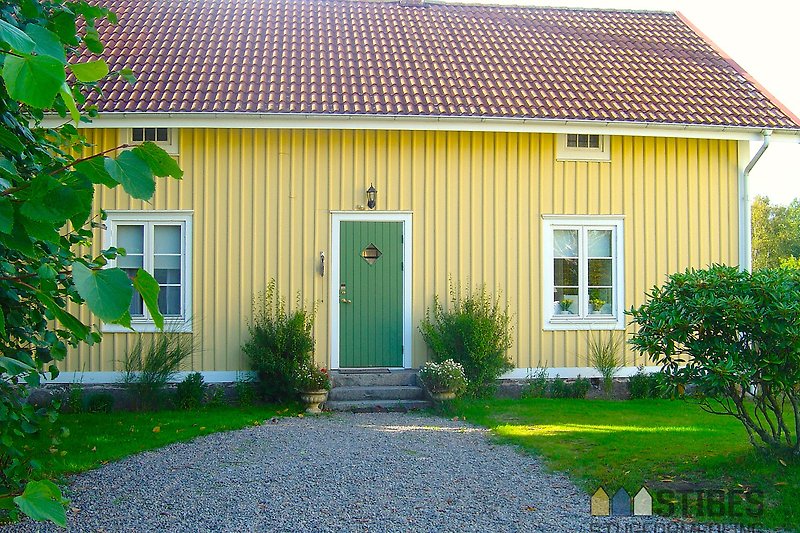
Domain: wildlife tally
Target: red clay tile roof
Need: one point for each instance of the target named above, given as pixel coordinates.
(343, 57)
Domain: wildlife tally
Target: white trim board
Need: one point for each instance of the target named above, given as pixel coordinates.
(574, 372)
(95, 378)
(337, 217)
(429, 123)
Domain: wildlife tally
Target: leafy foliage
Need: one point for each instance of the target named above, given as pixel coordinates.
(189, 393)
(100, 402)
(775, 232)
(604, 356)
(474, 331)
(310, 377)
(280, 343)
(46, 221)
(734, 337)
(152, 362)
(643, 385)
(447, 376)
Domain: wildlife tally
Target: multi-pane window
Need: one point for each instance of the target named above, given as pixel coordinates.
(583, 271)
(581, 140)
(583, 147)
(166, 138)
(158, 242)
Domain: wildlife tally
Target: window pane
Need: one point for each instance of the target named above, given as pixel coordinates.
(600, 272)
(567, 301)
(600, 301)
(594, 141)
(169, 301)
(167, 239)
(565, 272)
(167, 268)
(149, 134)
(161, 134)
(599, 243)
(565, 243)
(137, 134)
(137, 305)
(572, 140)
(131, 238)
(130, 262)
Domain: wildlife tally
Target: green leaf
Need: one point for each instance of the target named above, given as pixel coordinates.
(15, 38)
(12, 366)
(8, 167)
(159, 161)
(56, 203)
(6, 215)
(46, 43)
(108, 292)
(67, 320)
(128, 75)
(149, 289)
(133, 173)
(95, 170)
(42, 500)
(33, 80)
(69, 101)
(10, 141)
(64, 26)
(2, 323)
(90, 71)
(92, 41)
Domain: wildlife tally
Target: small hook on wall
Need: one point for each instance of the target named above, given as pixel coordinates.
(322, 264)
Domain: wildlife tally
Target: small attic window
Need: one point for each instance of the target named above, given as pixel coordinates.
(583, 147)
(166, 138)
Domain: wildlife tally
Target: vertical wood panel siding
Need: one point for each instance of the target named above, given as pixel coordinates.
(262, 202)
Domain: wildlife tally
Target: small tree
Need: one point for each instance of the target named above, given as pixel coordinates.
(732, 339)
(474, 331)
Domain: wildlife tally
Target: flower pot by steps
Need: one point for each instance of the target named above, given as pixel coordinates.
(313, 399)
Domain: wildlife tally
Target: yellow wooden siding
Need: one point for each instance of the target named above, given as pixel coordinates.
(262, 200)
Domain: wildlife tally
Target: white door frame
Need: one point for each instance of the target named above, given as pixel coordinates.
(337, 217)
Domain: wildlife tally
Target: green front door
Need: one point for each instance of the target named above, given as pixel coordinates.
(371, 294)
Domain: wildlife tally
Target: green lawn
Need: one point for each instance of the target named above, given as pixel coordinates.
(666, 445)
(94, 439)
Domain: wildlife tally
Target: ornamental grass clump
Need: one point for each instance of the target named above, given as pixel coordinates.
(475, 331)
(310, 377)
(447, 376)
(604, 356)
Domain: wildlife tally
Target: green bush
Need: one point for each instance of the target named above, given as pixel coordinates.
(215, 396)
(643, 385)
(734, 337)
(536, 384)
(151, 363)
(100, 402)
(244, 392)
(75, 399)
(447, 376)
(473, 331)
(280, 343)
(559, 388)
(580, 388)
(189, 392)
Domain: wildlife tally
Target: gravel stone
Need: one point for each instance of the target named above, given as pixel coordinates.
(339, 473)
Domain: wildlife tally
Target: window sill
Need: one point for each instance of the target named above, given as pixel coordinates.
(174, 325)
(567, 324)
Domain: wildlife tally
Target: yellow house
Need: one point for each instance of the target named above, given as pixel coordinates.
(362, 153)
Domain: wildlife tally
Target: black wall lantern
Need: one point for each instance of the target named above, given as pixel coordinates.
(372, 193)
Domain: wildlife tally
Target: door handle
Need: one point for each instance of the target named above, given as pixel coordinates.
(345, 301)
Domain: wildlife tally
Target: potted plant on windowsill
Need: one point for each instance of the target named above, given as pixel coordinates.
(313, 383)
(597, 305)
(443, 381)
(566, 306)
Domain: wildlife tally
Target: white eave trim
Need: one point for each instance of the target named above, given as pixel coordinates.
(427, 123)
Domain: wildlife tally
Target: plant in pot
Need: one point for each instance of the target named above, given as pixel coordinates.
(566, 306)
(444, 381)
(597, 305)
(313, 384)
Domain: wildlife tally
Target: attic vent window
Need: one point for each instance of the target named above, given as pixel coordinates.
(166, 138)
(583, 147)
(371, 254)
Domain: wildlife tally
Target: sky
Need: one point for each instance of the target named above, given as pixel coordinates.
(763, 38)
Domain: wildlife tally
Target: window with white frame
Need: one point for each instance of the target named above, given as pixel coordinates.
(583, 268)
(583, 147)
(160, 243)
(166, 138)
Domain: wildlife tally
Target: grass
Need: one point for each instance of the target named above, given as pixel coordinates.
(673, 447)
(94, 439)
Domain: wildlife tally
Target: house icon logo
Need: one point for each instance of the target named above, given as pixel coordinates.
(621, 504)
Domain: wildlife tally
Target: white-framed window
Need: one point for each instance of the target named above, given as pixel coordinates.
(159, 242)
(583, 268)
(166, 138)
(582, 147)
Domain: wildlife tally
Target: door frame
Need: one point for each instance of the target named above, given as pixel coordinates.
(337, 217)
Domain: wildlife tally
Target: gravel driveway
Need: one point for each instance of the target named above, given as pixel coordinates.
(344, 472)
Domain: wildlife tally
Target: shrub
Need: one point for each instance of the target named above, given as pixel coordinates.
(560, 388)
(536, 383)
(475, 332)
(189, 392)
(643, 385)
(280, 343)
(101, 402)
(74, 403)
(310, 377)
(734, 337)
(447, 376)
(150, 364)
(580, 388)
(245, 393)
(604, 348)
(215, 396)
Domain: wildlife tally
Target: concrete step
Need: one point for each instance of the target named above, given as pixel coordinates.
(400, 392)
(373, 378)
(368, 406)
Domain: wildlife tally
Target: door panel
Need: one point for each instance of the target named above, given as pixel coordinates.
(371, 294)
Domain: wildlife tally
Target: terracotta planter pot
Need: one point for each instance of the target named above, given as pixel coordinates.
(443, 396)
(313, 399)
